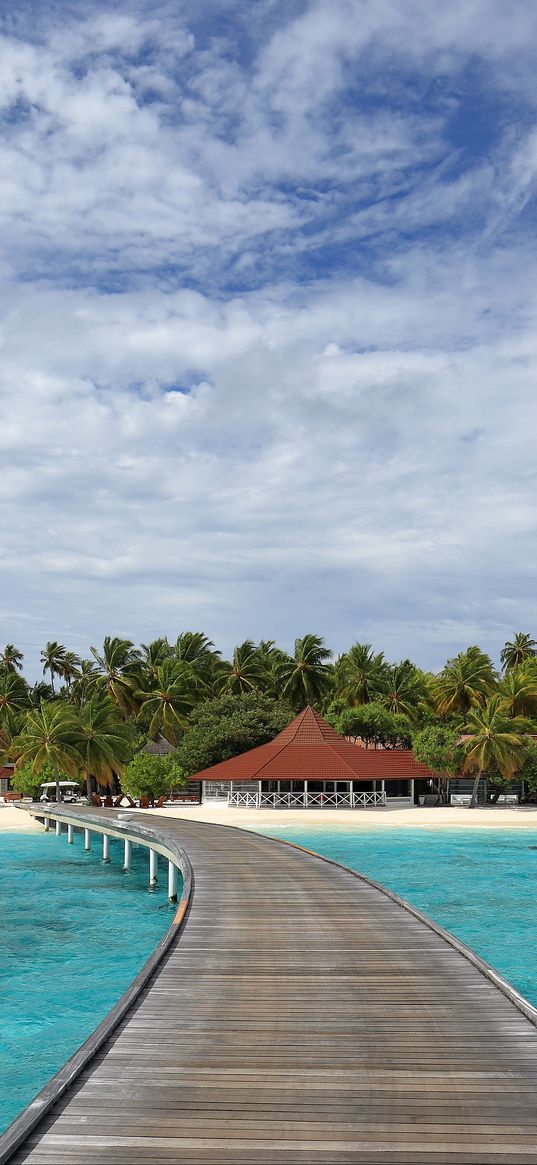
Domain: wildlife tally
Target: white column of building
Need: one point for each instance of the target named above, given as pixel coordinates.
(305, 794)
(383, 787)
(258, 799)
(412, 790)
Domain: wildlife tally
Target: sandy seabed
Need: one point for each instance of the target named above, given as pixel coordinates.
(448, 817)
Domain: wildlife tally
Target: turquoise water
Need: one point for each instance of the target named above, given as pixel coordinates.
(479, 884)
(75, 933)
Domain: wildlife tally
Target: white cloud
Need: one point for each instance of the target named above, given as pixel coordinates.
(188, 438)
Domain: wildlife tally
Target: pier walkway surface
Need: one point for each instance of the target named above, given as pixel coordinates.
(300, 1016)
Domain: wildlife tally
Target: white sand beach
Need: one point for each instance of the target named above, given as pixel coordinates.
(449, 817)
(12, 818)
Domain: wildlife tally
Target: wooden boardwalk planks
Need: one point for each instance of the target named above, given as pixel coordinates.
(302, 1017)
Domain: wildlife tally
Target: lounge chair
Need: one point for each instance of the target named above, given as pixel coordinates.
(96, 800)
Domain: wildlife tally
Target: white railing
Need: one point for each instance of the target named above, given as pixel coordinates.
(369, 799)
(281, 801)
(243, 799)
(305, 800)
(330, 800)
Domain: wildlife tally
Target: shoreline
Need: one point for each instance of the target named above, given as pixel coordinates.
(14, 820)
(413, 817)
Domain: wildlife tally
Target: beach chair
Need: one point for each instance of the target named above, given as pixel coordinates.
(96, 800)
(144, 802)
(161, 801)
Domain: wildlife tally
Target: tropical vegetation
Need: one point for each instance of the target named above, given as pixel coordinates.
(90, 718)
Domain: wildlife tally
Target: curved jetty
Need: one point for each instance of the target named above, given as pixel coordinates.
(298, 1015)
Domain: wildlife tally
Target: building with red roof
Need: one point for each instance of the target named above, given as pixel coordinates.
(309, 765)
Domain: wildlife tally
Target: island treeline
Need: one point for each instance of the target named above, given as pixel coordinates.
(92, 719)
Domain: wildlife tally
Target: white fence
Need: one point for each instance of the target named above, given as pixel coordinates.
(305, 800)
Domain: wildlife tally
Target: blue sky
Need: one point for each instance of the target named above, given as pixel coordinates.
(268, 322)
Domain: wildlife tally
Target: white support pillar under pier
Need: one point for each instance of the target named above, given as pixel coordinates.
(87, 839)
(172, 882)
(69, 835)
(106, 848)
(58, 828)
(153, 867)
(47, 824)
(127, 854)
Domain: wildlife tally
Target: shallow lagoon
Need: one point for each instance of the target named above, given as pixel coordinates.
(479, 884)
(75, 933)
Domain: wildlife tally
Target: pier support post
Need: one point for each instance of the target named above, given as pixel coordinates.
(58, 828)
(106, 848)
(47, 824)
(69, 835)
(153, 867)
(172, 882)
(87, 839)
(127, 854)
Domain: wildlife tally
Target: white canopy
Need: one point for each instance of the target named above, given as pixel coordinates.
(62, 784)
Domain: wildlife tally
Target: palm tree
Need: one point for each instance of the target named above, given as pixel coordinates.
(403, 689)
(85, 682)
(153, 655)
(465, 682)
(521, 648)
(305, 676)
(52, 658)
(518, 689)
(170, 700)
(69, 668)
(493, 741)
(14, 694)
(271, 658)
(194, 648)
(360, 674)
(106, 742)
(51, 735)
(40, 692)
(11, 658)
(119, 672)
(245, 673)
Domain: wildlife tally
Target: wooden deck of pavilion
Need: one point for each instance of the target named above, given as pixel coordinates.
(301, 1016)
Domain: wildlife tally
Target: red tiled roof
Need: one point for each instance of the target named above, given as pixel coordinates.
(310, 749)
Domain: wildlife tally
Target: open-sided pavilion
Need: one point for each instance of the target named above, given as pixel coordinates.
(309, 765)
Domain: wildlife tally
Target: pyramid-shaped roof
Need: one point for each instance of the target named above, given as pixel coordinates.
(310, 749)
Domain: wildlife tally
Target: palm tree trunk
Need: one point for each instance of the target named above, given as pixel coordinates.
(473, 798)
(57, 779)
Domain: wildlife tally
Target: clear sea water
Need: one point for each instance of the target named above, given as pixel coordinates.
(480, 884)
(75, 932)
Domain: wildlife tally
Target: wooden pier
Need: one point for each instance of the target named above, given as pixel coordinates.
(299, 1016)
